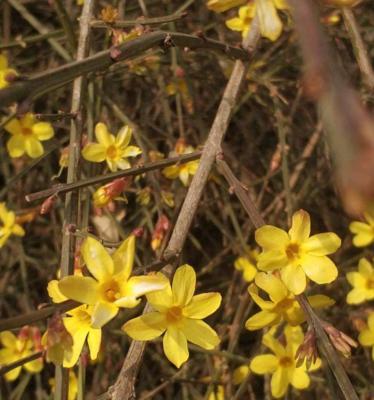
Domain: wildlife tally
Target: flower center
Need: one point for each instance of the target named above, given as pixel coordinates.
(174, 314)
(111, 291)
(370, 283)
(111, 152)
(83, 316)
(286, 362)
(292, 251)
(26, 131)
(284, 305)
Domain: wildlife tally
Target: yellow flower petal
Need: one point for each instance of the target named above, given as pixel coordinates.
(200, 333)
(33, 147)
(28, 120)
(184, 175)
(262, 319)
(223, 5)
(356, 296)
(240, 374)
(161, 300)
(319, 269)
(366, 338)
(263, 304)
(146, 327)
(356, 279)
(34, 366)
(322, 244)
(279, 383)
(281, 4)
(320, 301)
(14, 127)
(300, 228)
(269, 21)
(97, 259)
(264, 364)
(202, 305)
(371, 322)
(171, 172)
(79, 337)
(270, 237)
(183, 286)
(18, 230)
(94, 342)
(273, 344)
(102, 314)
(16, 146)
(8, 339)
(364, 234)
(131, 151)
(102, 135)
(294, 278)
(245, 265)
(54, 292)
(43, 130)
(80, 288)
(175, 346)
(123, 257)
(271, 285)
(94, 152)
(365, 268)
(122, 164)
(124, 137)
(3, 61)
(272, 260)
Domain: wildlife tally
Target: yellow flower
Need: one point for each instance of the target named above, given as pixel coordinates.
(247, 265)
(111, 286)
(17, 347)
(183, 171)
(217, 393)
(5, 72)
(78, 324)
(296, 254)
(113, 149)
(73, 385)
(364, 231)
(269, 21)
(282, 364)
(362, 282)
(366, 337)
(8, 225)
(281, 306)
(224, 5)
(27, 133)
(180, 314)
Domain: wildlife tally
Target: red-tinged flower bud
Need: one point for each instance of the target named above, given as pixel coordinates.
(36, 338)
(138, 232)
(48, 204)
(158, 234)
(180, 146)
(179, 72)
(24, 333)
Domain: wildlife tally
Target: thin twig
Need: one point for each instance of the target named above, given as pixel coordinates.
(68, 187)
(8, 367)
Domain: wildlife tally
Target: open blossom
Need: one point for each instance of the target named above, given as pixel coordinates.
(366, 337)
(178, 314)
(110, 286)
(362, 282)
(363, 231)
(183, 171)
(5, 72)
(115, 150)
(297, 254)
(18, 347)
(247, 264)
(281, 306)
(281, 364)
(269, 22)
(27, 133)
(8, 225)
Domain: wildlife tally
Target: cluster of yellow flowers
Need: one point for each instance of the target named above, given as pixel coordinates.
(362, 280)
(177, 312)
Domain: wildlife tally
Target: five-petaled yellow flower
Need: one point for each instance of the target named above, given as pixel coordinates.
(247, 264)
(366, 337)
(16, 348)
(269, 22)
(8, 225)
(180, 314)
(183, 171)
(282, 364)
(111, 286)
(362, 282)
(5, 72)
(113, 149)
(364, 231)
(297, 254)
(27, 133)
(281, 306)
